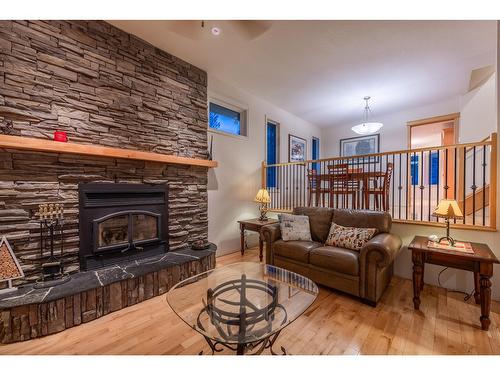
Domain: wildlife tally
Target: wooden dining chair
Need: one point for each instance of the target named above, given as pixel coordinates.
(340, 185)
(380, 189)
(315, 188)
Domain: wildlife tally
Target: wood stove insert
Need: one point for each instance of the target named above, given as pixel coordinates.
(121, 223)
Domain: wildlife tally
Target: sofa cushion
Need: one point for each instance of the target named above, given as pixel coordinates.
(320, 219)
(349, 237)
(379, 220)
(335, 259)
(295, 227)
(296, 250)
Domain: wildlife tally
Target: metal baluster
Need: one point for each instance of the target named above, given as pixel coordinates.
(283, 190)
(429, 200)
(455, 177)
(484, 185)
(422, 186)
(464, 185)
(438, 180)
(282, 187)
(320, 201)
(359, 193)
(473, 187)
(285, 186)
(289, 186)
(366, 167)
(392, 183)
(407, 184)
(446, 187)
(400, 187)
(302, 185)
(413, 187)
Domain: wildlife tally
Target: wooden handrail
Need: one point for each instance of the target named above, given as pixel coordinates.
(35, 144)
(413, 150)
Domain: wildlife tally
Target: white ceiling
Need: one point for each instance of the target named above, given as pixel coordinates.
(320, 70)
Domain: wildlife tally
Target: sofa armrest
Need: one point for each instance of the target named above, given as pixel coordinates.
(381, 249)
(376, 259)
(270, 234)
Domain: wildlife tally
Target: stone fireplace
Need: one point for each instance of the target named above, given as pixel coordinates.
(120, 223)
(103, 87)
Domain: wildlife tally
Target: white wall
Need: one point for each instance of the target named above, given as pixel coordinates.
(478, 119)
(478, 112)
(233, 185)
(393, 135)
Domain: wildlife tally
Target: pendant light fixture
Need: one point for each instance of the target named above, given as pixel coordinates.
(367, 127)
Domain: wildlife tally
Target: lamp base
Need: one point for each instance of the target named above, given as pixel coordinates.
(263, 212)
(450, 240)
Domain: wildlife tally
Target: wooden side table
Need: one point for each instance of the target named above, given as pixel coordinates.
(480, 263)
(254, 225)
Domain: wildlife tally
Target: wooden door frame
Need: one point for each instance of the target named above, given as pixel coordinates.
(452, 117)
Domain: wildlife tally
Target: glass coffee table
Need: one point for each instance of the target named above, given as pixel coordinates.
(242, 306)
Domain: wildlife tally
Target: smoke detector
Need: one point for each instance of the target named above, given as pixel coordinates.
(215, 31)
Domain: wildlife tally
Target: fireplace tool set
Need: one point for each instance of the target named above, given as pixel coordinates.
(51, 217)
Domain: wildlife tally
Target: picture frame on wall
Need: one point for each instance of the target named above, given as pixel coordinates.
(297, 149)
(363, 145)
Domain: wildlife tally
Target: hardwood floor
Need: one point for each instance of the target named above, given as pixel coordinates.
(334, 324)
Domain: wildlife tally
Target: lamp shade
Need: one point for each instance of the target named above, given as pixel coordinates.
(262, 196)
(448, 208)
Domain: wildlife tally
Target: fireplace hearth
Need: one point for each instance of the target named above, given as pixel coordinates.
(121, 223)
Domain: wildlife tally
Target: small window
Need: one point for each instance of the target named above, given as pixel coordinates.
(272, 152)
(227, 119)
(434, 168)
(414, 169)
(315, 152)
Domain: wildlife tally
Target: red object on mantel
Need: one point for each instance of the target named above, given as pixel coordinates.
(60, 136)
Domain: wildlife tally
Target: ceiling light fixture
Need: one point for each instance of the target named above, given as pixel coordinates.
(367, 127)
(215, 31)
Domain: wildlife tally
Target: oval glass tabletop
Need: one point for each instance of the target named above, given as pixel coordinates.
(243, 302)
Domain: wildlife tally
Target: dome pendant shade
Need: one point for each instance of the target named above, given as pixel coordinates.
(367, 127)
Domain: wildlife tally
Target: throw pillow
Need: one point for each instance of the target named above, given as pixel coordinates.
(295, 227)
(349, 237)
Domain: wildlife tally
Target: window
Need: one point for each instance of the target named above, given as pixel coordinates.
(272, 131)
(414, 169)
(434, 168)
(227, 118)
(315, 152)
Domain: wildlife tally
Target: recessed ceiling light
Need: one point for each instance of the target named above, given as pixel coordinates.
(215, 31)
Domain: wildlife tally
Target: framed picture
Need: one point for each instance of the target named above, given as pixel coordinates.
(297, 148)
(364, 145)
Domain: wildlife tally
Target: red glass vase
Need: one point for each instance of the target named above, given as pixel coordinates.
(60, 136)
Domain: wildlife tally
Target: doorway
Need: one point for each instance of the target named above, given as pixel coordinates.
(430, 169)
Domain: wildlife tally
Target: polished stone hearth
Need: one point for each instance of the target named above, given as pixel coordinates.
(31, 312)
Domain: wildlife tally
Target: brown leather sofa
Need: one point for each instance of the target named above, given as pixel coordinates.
(365, 273)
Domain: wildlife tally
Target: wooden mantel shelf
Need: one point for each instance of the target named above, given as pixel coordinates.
(35, 144)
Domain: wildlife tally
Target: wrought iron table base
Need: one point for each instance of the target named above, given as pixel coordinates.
(241, 349)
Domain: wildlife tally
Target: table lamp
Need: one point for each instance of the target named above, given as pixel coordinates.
(263, 198)
(448, 209)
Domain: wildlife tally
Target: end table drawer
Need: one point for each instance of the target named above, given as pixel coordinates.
(445, 261)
